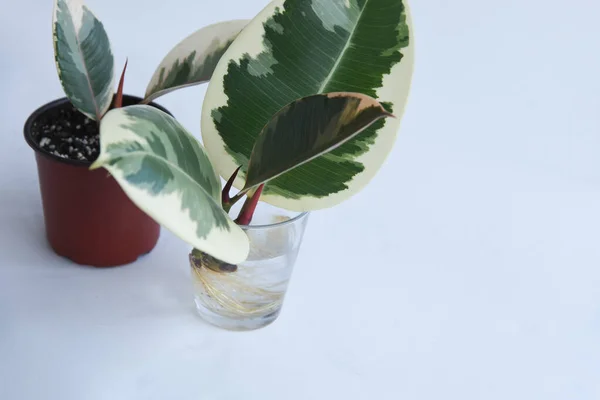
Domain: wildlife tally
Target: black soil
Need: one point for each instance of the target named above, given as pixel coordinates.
(67, 133)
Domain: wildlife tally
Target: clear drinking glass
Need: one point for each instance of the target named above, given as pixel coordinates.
(250, 295)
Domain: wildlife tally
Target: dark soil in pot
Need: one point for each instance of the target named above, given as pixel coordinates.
(67, 133)
(61, 131)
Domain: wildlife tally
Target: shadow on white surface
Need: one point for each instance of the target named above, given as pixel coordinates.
(22, 231)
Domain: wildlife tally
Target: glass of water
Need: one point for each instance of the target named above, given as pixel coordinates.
(250, 295)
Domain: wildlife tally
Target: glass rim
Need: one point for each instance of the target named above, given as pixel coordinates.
(275, 225)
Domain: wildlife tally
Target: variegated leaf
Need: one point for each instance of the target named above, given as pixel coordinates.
(298, 48)
(166, 173)
(84, 58)
(194, 59)
(308, 128)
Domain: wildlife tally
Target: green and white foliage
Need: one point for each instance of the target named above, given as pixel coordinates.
(84, 58)
(307, 128)
(194, 59)
(163, 169)
(298, 48)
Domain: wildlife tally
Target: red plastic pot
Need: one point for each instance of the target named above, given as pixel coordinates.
(88, 217)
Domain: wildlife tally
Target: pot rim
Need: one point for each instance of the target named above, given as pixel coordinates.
(59, 102)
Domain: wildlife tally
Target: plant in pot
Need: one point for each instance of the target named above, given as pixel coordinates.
(88, 218)
(296, 117)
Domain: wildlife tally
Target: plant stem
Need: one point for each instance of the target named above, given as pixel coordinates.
(231, 201)
(238, 197)
(226, 201)
(119, 97)
(249, 207)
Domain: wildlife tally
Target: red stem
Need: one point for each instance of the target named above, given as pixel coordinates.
(119, 97)
(249, 207)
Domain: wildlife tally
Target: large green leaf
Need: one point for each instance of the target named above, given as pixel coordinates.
(298, 48)
(84, 59)
(166, 173)
(194, 59)
(308, 128)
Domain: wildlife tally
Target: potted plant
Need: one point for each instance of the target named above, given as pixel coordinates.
(297, 116)
(88, 218)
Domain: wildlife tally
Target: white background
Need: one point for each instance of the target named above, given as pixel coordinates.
(469, 269)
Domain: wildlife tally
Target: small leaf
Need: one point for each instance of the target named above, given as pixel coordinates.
(194, 59)
(225, 198)
(166, 173)
(119, 96)
(308, 128)
(84, 59)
